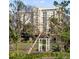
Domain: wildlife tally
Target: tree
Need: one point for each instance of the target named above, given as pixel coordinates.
(16, 7)
(14, 21)
(58, 26)
(63, 6)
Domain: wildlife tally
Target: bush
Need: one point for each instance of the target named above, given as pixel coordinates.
(58, 55)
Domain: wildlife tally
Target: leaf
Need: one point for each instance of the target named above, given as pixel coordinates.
(55, 3)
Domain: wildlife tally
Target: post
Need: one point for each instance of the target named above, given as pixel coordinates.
(46, 45)
(39, 44)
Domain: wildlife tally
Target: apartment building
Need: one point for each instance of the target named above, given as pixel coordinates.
(39, 17)
(43, 18)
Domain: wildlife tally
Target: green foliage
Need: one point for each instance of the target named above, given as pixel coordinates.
(65, 34)
(55, 3)
(59, 27)
(57, 55)
(63, 5)
(29, 29)
(20, 5)
(54, 20)
(17, 5)
(14, 35)
(15, 24)
(68, 50)
(55, 47)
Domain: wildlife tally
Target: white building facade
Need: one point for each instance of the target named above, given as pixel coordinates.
(39, 17)
(43, 18)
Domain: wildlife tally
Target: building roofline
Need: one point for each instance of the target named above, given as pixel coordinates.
(47, 9)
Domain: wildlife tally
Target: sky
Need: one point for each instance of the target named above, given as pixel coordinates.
(41, 3)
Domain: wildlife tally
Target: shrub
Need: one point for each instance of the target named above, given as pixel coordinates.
(58, 55)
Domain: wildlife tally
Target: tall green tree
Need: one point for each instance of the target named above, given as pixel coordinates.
(58, 26)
